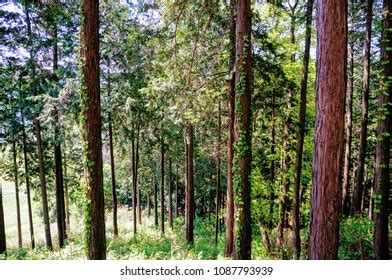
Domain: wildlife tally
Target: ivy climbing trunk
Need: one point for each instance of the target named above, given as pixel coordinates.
(242, 129)
(359, 182)
(189, 194)
(91, 132)
(302, 127)
(326, 198)
(229, 243)
(3, 243)
(382, 176)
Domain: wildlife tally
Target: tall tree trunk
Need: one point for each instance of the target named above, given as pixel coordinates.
(359, 182)
(67, 215)
(302, 126)
(189, 195)
(3, 243)
(170, 196)
(91, 131)
(272, 166)
(229, 244)
(155, 201)
(218, 176)
(382, 178)
(139, 207)
(27, 177)
(44, 197)
(177, 201)
(148, 204)
(349, 117)
(134, 187)
(242, 128)
(162, 185)
(329, 131)
(16, 180)
(113, 177)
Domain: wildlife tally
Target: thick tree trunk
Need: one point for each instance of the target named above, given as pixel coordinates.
(16, 181)
(27, 178)
(301, 138)
(359, 182)
(44, 197)
(170, 196)
(229, 244)
(349, 117)
(91, 131)
(242, 128)
(218, 177)
(3, 243)
(162, 186)
(155, 202)
(326, 202)
(382, 177)
(189, 194)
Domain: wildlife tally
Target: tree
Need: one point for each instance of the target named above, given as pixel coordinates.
(242, 129)
(190, 192)
(3, 245)
(91, 132)
(382, 179)
(331, 25)
(162, 185)
(16, 180)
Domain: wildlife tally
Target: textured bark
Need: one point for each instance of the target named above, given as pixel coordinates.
(326, 195)
(162, 185)
(44, 197)
(16, 181)
(3, 243)
(229, 244)
(91, 131)
(359, 182)
(27, 178)
(170, 195)
(382, 176)
(189, 195)
(218, 177)
(301, 138)
(155, 202)
(242, 129)
(349, 128)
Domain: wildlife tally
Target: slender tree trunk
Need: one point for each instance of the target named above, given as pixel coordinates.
(27, 177)
(326, 203)
(177, 201)
(139, 207)
(91, 131)
(229, 244)
(349, 117)
(44, 197)
(382, 176)
(272, 167)
(148, 204)
(170, 196)
(134, 187)
(371, 201)
(16, 180)
(218, 176)
(189, 195)
(3, 243)
(302, 126)
(113, 177)
(359, 182)
(162, 186)
(68, 224)
(242, 128)
(155, 202)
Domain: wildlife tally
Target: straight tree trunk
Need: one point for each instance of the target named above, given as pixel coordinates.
(3, 243)
(67, 215)
(218, 176)
(326, 198)
(242, 128)
(272, 167)
(16, 180)
(91, 131)
(189, 194)
(301, 138)
(139, 209)
(44, 196)
(382, 176)
(134, 187)
(177, 202)
(359, 182)
(349, 117)
(27, 178)
(229, 244)
(170, 196)
(155, 201)
(113, 177)
(148, 204)
(162, 186)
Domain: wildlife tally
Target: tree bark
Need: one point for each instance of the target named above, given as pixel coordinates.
(16, 180)
(326, 198)
(189, 195)
(148, 204)
(91, 131)
(162, 186)
(27, 178)
(3, 243)
(177, 201)
(302, 127)
(242, 128)
(155, 201)
(359, 182)
(170, 196)
(134, 187)
(113, 177)
(272, 166)
(382, 176)
(218, 175)
(139, 207)
(229, 244)
(67, 215)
